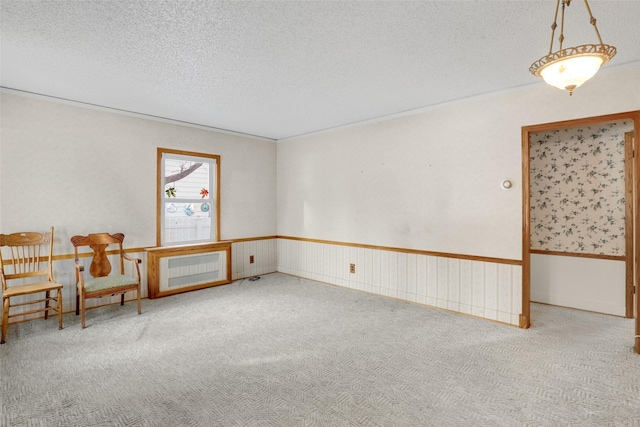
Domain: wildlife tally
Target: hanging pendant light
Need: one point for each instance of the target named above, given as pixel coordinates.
(569, 68)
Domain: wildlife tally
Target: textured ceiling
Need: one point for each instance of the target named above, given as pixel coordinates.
(283, 68)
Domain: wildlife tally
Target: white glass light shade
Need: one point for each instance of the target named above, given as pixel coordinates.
(571, 72)
(569, 68)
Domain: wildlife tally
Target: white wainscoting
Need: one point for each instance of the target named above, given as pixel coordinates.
(264, 258)
(584, 283)
(483, 289)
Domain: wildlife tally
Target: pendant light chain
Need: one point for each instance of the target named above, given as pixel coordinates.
(554, 26)
(564, 3)
(592, 20)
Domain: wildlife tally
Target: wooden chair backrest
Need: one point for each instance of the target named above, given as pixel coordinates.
(100, 265)
(27, 251)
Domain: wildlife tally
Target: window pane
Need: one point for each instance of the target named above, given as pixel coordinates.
(187, 180)
(187, 222)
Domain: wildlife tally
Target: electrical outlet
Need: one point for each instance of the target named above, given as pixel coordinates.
(352, 268)
(251, 259)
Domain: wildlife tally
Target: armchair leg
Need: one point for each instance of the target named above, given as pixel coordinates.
(59, 308)
(5, 318)
(139, 308)
(77, 303)
(82, 308)
(46, 305)
(122, 298)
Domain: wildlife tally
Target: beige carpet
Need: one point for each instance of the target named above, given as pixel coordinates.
(284, 351)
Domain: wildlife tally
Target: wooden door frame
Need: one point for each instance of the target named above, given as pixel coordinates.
(629, 175)
(525, 316)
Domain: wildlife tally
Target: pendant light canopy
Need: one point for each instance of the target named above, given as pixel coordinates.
(569, 68)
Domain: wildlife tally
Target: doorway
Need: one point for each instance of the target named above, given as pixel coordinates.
(560, 234)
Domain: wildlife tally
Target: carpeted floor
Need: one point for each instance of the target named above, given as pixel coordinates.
(284, 351)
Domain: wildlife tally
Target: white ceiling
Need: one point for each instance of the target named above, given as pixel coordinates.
(277, 69)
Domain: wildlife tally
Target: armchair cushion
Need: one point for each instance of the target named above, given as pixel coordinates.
(107, 282)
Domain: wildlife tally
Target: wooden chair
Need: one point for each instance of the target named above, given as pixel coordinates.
(102, 283)
(29, 274)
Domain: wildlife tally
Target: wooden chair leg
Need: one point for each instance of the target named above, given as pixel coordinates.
(139, 309)
(59, 308)
(5, 318)
(122, 298)
(46, 305)
(77, 302)
(82, 307)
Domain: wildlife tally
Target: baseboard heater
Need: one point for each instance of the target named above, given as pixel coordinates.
(177, 269)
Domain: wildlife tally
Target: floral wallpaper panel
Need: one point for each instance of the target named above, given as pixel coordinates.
(577, 189)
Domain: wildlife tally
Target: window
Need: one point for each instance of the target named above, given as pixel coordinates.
(188, 197)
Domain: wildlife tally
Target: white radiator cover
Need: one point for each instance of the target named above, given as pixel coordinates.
(185, 271)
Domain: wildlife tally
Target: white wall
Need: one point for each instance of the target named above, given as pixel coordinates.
(431, 180)
(584, 283)
(427, 181)
(87, 170)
